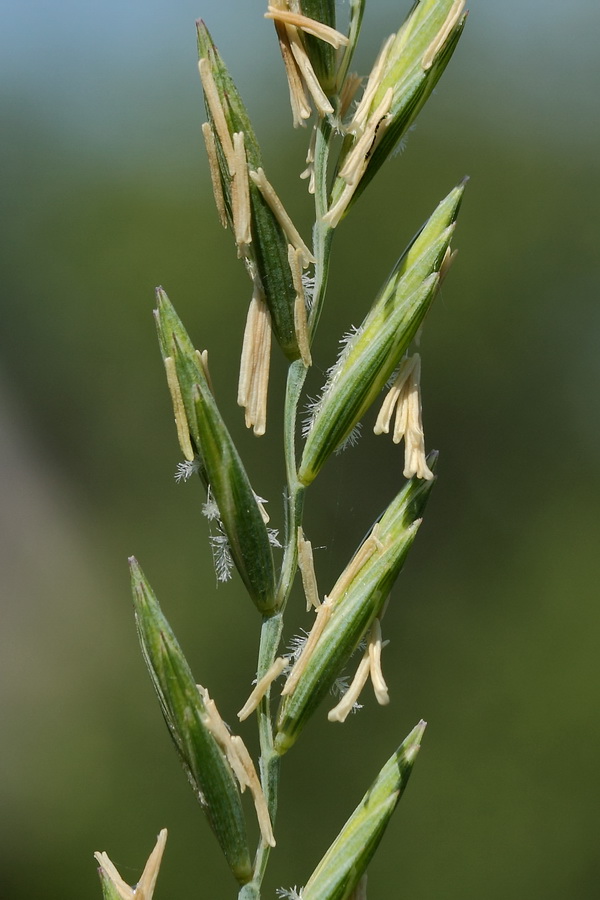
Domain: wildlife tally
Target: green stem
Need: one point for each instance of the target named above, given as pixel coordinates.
(322, 232)
(270, 638)
(272, 626)
(357, 8)
(294, 490)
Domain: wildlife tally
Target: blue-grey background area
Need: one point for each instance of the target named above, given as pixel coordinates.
(494, 622)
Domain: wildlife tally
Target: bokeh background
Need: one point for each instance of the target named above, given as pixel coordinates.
(494, 623)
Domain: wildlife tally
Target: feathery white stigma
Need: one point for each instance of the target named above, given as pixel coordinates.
(221, 553)
(185, 470)
(293, 893)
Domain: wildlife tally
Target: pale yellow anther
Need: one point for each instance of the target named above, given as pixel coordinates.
(295, 259)
(384, 610)
(382, 424)
(309, 171)
(360, 891)
(215, 724)
(261, 688)
(366, 550)
(358, 159)
(361, 115)
(335, 212)
(415, 462)
(355, 164)
(449, 257)
(300, 106)
(443, 34)
(240, 761)
(240, 195)
(256, 412)
(321, 620)
(324, 107)
(310, 153)
(350, 86)
(239, 765)
(215, 174)
(262, 509)
(181, 422)
(124, 890)
(405, 397)
(224, 739)
(310, 26)
(343, 709)
(277, 208)
(255, 363)
(307, 571)
(203, 363)
(375, 646)
(217, 112)
(219, 730)
(144, 889)
(375, 538)
(253, 783)
(300, 320)
(145, 886)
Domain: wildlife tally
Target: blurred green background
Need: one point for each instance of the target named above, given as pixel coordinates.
(494, 623)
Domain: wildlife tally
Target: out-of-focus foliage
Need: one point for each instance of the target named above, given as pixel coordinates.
(493, 623)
